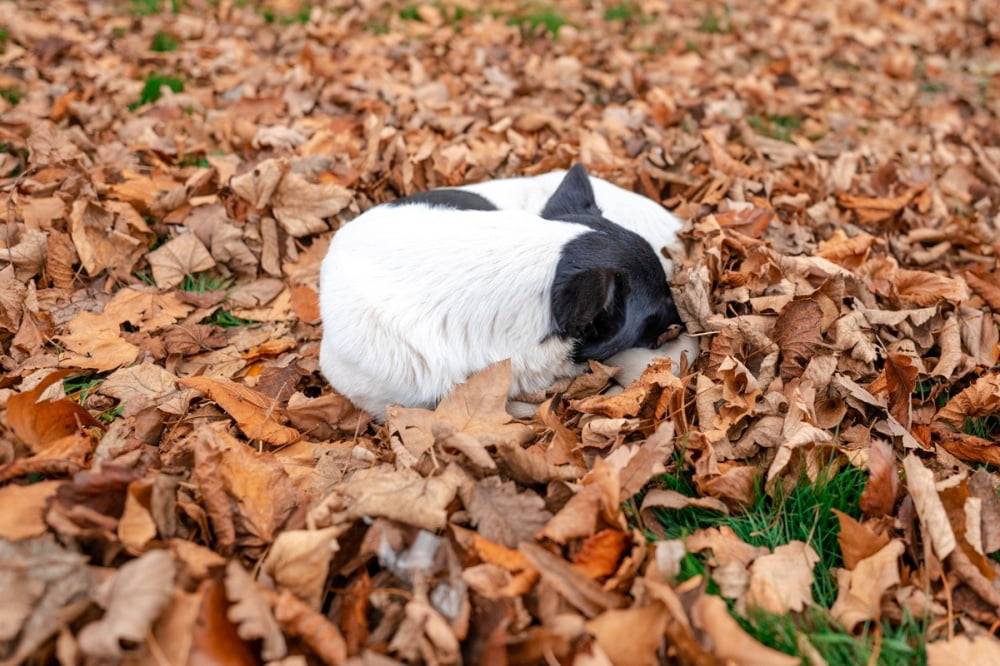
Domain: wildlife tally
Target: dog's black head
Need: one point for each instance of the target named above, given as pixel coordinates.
(610, 292)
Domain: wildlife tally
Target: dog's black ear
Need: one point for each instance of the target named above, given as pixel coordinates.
(574, 196)
(578, 298)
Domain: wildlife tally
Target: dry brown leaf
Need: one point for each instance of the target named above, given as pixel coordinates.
(965, 447)
(645, 625)
(256, 414)
(980, 399)
(300, 206)
(22, 509)
(857, 541)
(983, 650)
(177, 258)
(140, 591)
(137, 526)
(299, 561)
(584, 594)
(797, 332)
(251, 613)
(782, 581)
(247, 494)
(860, 591)
(896, 382)
(577, 518)
(46, 587)
(601, 554)
(504, 515)
(40, 423)
(298, 619)
(727, 639)
(933, 518)
(400, 495)
(882, 488)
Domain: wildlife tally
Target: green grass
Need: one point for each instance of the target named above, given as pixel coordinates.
(79, 387)
(409, 13)
(623, 11)
(152, 89)
(713, 23)
(541, 16)
(4, 36)
(202, 282)
(164, 42)
(146, 7)
(775, 126)
(226, 319)
(193, 159)
(12, 95)
(803, 514)
(109, 415)
(986, 427)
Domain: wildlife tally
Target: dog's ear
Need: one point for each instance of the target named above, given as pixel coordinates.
(578, 298)
(574, 196)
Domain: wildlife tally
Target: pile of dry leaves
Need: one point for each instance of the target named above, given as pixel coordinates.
(178, 485)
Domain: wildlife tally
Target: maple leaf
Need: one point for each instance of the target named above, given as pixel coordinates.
(782, 581)
(40, 423)
(504, 515)
(177, 258)
(859, 591)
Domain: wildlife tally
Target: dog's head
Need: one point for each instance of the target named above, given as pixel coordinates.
(610, 292)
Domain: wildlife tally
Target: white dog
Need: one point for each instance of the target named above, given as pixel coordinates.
(418, 294)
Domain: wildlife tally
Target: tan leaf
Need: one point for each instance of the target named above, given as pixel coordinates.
(255, 413)
(300, 206)
(251, 613)
(305, 304)
(12, 292)
(644, 625)
(136, 528)
(964, 446)
(933, 518)
(982, 650)
(178, 257)
(983, 487)
(22, 509)
(316, 631)
(504, 515)
(400, 495)
(647, 459)
(324, 417)
(299, 560)
(988, 288)
(94, 341)
(728, 640)
(860, 591)
(45, 587)
(847, 252)
(726, 547)
(782, 581)
(925, 288)
(950, 342)
(577, 518)
(658, 498)
(105, 240)
(258, 185)
(140, 591)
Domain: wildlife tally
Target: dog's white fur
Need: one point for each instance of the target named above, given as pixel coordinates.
(657, 225)
(415, 299)
(634, 212)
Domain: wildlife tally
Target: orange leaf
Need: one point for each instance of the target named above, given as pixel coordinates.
(898, 378)
(601, 553)
(39, 423)
(255, 413)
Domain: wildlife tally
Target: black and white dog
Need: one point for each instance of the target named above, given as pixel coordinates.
(419, 293)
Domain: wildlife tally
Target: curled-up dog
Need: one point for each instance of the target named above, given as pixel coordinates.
(418, 294)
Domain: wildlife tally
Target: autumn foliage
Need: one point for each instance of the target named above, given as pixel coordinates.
(178, 484)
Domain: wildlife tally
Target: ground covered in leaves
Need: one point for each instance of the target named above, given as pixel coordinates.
(178, 485)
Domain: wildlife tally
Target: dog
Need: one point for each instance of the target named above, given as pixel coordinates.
(419, 293)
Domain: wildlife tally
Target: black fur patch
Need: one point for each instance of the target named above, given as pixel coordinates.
(610, 292)
(448, 198)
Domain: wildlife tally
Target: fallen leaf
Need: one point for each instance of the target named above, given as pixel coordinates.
(782, 581)
(584, 594)
(22, 509)
(933, 518)
(601, 553)
(727, 639)
(879, 496)
(896, 382)
(504, 515)
(980, 399)
(300, 206)
(299, 561)
(251, 613)
(40, 423)
(256, 414)
(968, 650)
(857, 541)
(645, 625)
(140, 591)
(860, 591)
